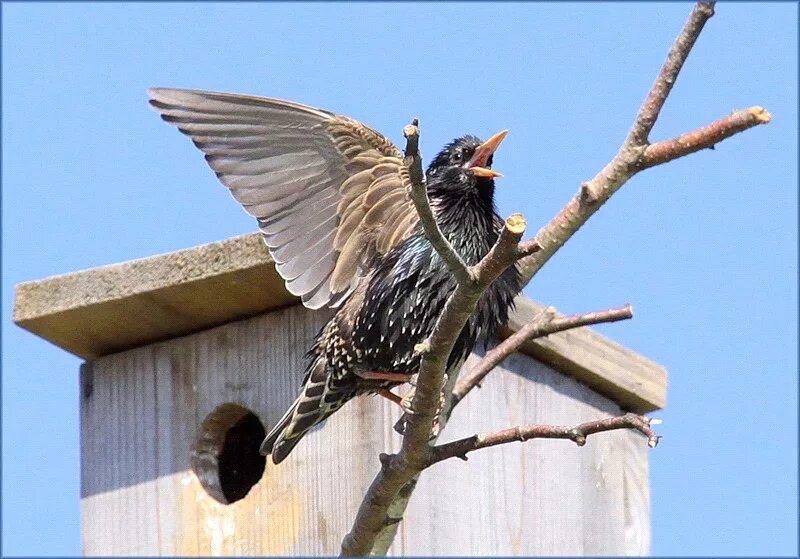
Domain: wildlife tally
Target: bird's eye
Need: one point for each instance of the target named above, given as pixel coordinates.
(458, 155)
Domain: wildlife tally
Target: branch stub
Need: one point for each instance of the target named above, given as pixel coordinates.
(516, 223)
(760, 114)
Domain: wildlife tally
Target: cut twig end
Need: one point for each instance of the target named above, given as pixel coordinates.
(761, 114)
(578, 437)
(411, 131)
(526, 248)
(706, 8)
(516, 223)
(628, 310)
(590, 193)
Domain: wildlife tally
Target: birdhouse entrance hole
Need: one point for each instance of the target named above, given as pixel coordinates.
(225, 455)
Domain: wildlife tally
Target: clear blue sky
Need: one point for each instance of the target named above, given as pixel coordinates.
(704, 248)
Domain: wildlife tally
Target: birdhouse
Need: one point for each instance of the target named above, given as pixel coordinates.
(192, 356)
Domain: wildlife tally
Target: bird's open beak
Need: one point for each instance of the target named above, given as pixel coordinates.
(482, 154)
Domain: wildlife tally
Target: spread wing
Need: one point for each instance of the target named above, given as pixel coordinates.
(328, 192)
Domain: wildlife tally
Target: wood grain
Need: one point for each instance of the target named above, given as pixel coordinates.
(141, 410)
(635, 382)
(114, 308)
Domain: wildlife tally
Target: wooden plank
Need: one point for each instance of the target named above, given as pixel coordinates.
(637, 496)
(113, 308)
(141, 410)
(633, 381)
(538, 498)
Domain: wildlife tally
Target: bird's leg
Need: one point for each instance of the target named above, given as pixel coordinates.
(406, 403)
(403, 402)
(391, 396)
(384, 375)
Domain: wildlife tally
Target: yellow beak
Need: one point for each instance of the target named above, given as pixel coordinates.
(482, 154)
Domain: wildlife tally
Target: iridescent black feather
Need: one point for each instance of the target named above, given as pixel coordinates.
(396, 305)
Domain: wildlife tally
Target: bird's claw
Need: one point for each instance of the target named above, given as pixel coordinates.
(405, 403)
(400, 425)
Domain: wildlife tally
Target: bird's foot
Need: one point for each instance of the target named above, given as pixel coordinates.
(405, 402)
(436, 425)
(400, 425)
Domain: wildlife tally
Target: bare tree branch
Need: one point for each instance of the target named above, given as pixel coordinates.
(394, 483)
(703, 138)
(398, 469)
(419, 195)
(661, 88)
(523, 433)
(385, 537)
(544, 324)
(636, 153)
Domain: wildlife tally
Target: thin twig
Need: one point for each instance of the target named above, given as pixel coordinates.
(661, 88)
(399, 471)
(526, 248)
(578, 434)
(703, 138)
(636, 153)
(544, 324)
(419, 195)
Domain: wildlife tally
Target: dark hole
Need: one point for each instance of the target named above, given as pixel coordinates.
(225, 456)
(240, 463)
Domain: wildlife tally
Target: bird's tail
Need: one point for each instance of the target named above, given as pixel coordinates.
(317, 401)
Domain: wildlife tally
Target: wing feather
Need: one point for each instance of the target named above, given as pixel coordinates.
(329, 193)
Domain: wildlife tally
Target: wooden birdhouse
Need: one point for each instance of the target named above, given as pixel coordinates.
(192, 356)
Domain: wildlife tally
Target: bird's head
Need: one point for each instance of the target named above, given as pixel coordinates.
(465, 166)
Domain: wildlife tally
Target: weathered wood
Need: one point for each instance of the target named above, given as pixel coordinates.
(542, 497)
(110, 309)
(141, 410)
(637, 496)
(113, 308)
(631, 380)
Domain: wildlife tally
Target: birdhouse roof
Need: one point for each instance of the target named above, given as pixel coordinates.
(112, 308)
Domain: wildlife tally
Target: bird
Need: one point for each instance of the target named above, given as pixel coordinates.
(330, 196)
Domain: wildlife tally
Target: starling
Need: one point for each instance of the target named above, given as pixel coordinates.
(330, 197)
